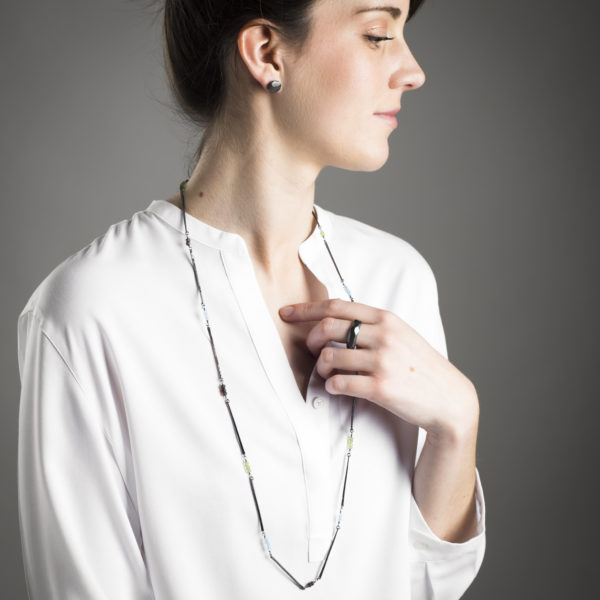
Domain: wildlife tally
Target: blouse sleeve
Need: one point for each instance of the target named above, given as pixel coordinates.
(79, 530)
(441, 570)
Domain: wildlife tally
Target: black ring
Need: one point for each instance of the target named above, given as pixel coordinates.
(353, 334)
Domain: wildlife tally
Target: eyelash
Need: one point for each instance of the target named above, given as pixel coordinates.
(374, 39)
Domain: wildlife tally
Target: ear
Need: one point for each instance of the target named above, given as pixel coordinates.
(260, 48)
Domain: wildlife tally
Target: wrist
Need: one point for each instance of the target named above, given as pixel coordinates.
(460, 426)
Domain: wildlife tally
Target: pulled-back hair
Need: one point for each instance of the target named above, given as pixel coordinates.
(200, 37)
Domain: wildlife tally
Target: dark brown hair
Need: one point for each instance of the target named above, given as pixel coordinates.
(200, 37)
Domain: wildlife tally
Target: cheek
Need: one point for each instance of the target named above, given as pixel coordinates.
(334, 97)
(340, 97)
(346, 83)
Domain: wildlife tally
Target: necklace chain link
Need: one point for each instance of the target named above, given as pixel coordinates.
(223, 392)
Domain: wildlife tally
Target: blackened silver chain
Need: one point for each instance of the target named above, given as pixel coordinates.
(223, 393)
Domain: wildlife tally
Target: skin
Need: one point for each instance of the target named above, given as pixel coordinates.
(404, 374)
(256, 177)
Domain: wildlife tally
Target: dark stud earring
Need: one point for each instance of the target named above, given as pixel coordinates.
(274, 86)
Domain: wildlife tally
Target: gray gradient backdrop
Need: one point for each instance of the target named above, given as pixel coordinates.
(492, 176)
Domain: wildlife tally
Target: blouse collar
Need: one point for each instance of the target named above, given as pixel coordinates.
(229, 241)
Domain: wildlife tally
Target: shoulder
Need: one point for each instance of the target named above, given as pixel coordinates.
(381, 252)
(394, 275)
(88, 282)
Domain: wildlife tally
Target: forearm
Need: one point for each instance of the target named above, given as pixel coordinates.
(444, 481)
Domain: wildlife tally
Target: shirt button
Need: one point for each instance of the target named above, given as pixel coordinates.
(318, 402)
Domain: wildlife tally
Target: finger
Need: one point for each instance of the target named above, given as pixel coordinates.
(362, 386)
(331, 329)
(333, 307)
(344, 359)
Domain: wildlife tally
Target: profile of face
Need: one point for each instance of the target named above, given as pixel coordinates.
(343, 75)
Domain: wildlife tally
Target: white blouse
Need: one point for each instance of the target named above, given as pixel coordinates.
(131, 482)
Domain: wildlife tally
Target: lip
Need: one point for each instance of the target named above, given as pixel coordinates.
(389, 117)
(391, 113)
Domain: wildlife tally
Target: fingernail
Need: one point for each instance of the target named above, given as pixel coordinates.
(286, 311)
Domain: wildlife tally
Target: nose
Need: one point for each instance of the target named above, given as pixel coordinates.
(409, 74)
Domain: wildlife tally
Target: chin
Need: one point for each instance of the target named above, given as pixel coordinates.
(367, 158)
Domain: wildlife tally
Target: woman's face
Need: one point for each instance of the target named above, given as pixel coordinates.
(341, 79)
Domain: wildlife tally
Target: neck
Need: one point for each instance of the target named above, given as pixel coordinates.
(265, 196)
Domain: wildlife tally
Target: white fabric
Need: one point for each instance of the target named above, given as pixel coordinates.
(131, 484)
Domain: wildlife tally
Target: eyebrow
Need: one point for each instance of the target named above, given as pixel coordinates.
(393, 10)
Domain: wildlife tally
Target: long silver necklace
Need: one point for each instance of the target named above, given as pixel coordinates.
(223, 392)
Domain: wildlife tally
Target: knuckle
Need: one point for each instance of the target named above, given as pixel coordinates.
(336, 381)
(327, 354)
(387, 339)
(386, 317)
(380, 361)
(327, 324)
(321, 369)
(379, 386)
(335, 305)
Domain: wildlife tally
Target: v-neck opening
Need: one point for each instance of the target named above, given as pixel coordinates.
(278, 367)
(231, 244)
(248, 294)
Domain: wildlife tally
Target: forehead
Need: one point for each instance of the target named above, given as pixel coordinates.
(356, 10)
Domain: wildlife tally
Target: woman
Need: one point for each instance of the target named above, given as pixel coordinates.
(182, 436)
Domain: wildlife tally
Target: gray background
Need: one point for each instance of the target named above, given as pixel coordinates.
(491, 176)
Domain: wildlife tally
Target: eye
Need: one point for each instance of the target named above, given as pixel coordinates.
(375, 39)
